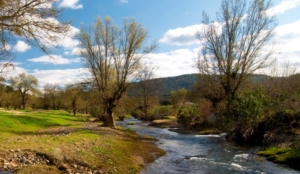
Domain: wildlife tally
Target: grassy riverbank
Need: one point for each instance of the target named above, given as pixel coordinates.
(283, 155)
(56, 142)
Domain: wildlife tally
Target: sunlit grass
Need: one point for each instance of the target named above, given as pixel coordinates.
(283, 155)
(66, 139)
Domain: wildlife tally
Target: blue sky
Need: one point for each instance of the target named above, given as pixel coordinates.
(173, 23)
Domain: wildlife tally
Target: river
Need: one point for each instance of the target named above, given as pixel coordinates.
(203, 154)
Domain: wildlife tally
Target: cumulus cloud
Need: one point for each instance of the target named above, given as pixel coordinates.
(62, 77)
(182, 36)
(284, 6)
(173, 63)
(51, 39)
(54, 59)
(66, 41)
(70, 4)
(21, 46)
(289, 38)
(185, 35)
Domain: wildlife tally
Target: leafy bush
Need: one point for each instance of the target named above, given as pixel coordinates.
(249, 106)
(248, 109)
(189, 116)
(137, 113)
(97, 112)
(159, 112)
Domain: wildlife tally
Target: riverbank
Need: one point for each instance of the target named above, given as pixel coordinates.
(172, 124)
(52, 142)
(283, 146)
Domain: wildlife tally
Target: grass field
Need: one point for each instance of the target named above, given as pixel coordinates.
(70, 144)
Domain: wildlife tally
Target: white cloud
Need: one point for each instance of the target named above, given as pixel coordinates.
(62, 77)
(182, 36)
(76, 51)
(173, 63)
(289, 37)
(70, 4)
(284, 6)
(52, 39)
(124, 1)
(54, 59)
(21, 46)
(12, 71)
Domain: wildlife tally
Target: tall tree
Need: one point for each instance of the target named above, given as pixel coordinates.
(35, 21)
(25, 83)
(236, 44)
(112, 55)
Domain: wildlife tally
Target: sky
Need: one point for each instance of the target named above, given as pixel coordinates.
(172, 23)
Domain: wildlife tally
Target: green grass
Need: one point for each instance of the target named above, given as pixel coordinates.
(287, 155)
(131, 123)
(17, 122)
(66, 139)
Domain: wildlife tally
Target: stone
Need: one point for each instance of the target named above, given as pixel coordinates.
(23, 160)
(69, 170)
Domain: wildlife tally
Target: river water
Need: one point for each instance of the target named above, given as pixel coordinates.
(201, 154)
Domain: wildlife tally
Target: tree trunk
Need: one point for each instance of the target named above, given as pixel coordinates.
(23, 101)
(109, 119)
(74, 107)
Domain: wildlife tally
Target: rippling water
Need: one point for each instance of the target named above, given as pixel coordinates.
(199, 154)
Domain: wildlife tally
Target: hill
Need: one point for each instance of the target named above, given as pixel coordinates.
(186, 81)
(175, 83)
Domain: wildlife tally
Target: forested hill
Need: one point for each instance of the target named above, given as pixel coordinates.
(174, 83)
(167, 84)
(186, 81)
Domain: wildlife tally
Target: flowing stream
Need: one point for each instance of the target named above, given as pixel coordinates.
(201, 154)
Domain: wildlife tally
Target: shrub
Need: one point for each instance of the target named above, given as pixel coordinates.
(97, 112)
(248, 110)
(189, 116)
(159, 112)
(249, 106)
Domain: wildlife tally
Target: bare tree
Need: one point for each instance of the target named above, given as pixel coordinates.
(236, 44)
(147, 90)
(25, 83)
(112, 55)
(36, 21)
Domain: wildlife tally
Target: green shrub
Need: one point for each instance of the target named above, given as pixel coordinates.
(189, 116)
(249, 106)
(137, 113)
(97, 112)
(159, 112)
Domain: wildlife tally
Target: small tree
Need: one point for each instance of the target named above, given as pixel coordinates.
(179, 97)
(146, 89)
(73, 93)
(52, 93)
(112, 55)
(25, 83)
